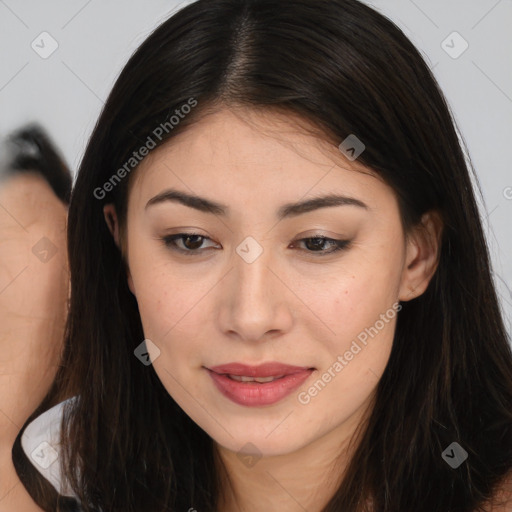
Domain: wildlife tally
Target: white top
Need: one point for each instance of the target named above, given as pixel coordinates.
(41, 443)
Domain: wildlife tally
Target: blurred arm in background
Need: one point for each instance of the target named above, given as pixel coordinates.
(35, 186)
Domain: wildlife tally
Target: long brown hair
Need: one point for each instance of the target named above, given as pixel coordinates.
(349, 70)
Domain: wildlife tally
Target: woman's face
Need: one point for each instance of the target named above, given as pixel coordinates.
(256, 285)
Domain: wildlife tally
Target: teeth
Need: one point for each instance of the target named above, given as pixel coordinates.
(241, 378)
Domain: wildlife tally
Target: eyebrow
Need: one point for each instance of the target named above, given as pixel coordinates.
(287, 210)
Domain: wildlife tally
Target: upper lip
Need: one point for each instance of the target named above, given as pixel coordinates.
(272, 369)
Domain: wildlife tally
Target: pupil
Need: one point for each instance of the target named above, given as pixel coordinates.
(318, 244)
(196, 245)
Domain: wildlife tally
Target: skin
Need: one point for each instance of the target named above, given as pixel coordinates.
(33, 304)
(290, 305)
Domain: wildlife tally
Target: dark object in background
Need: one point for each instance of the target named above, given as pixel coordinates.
(30, 149)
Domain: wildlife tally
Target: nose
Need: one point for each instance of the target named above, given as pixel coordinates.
(255, 299)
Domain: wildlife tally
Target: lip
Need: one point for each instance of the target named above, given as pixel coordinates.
(254, 393)
(263, 370)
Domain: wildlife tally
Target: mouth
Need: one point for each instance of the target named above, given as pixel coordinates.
(260, 385)
(261, 380)
(262, 371)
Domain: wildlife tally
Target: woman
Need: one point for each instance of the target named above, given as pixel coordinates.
(281, 295)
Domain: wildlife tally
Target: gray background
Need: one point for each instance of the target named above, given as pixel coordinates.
(95, 38)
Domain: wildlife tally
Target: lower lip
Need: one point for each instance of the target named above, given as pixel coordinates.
(254, 394)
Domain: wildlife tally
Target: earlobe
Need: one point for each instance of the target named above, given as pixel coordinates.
(422, 256)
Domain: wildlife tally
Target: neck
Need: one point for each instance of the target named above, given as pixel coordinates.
(305, 479)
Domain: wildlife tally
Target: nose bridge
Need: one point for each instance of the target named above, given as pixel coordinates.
(251, 272)
(255, 302)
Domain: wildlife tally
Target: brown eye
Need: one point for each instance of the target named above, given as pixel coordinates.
(185, 242)
(318, 243)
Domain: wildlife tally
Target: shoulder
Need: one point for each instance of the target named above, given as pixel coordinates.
(40, 442)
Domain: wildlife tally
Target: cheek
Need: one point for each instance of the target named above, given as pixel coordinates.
(355, 297)
(173, 310)
(363, 319)
(360, 309)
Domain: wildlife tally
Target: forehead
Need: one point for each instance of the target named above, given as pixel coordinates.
(244, 154)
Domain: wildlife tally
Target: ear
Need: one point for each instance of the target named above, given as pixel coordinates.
(109, 212)
(422, 256)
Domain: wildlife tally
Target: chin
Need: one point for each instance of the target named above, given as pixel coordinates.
(259, 445)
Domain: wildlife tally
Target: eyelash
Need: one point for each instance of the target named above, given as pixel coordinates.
(169, 242)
